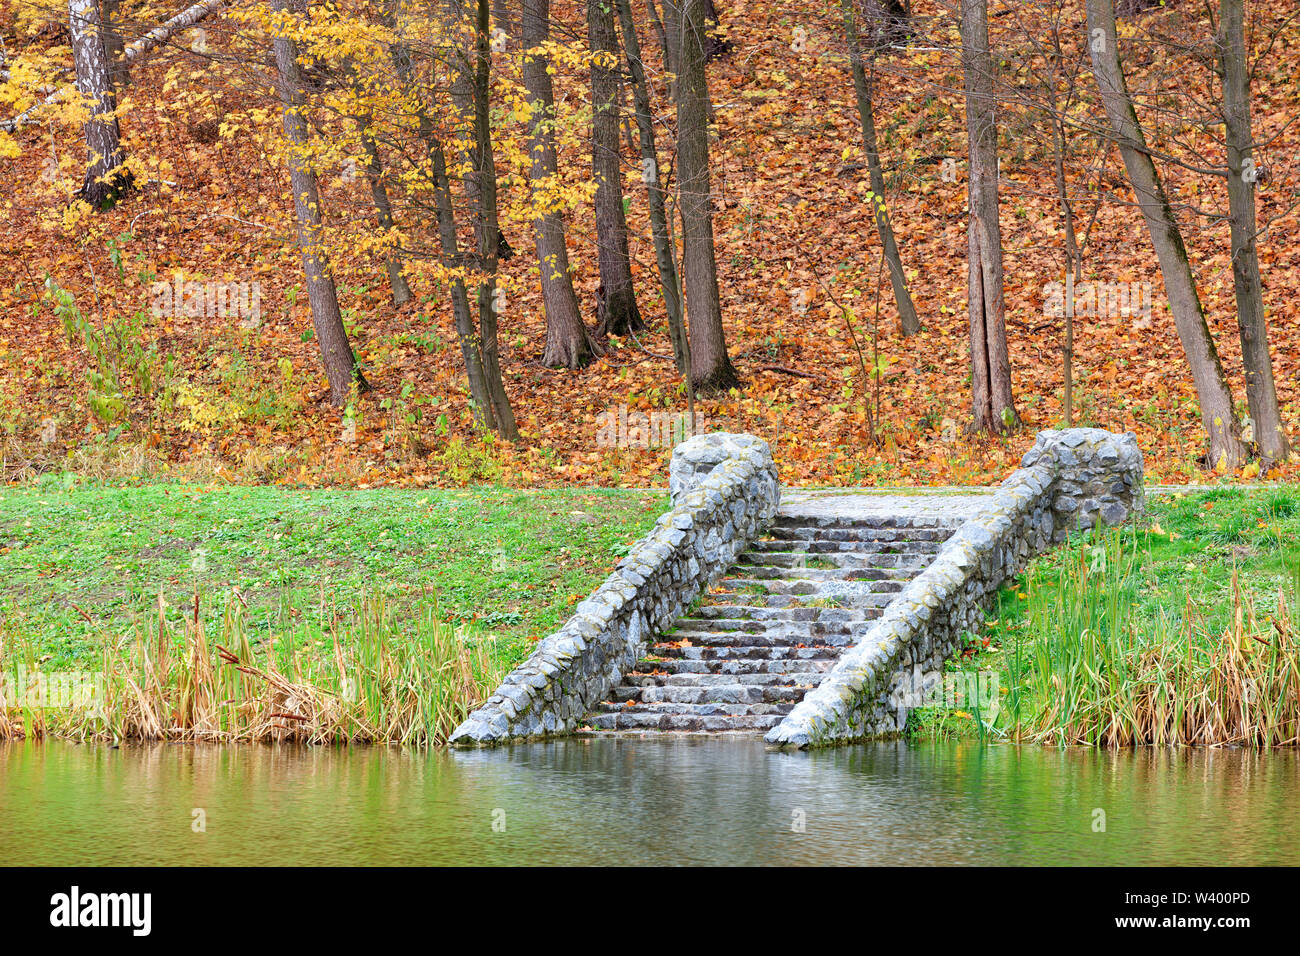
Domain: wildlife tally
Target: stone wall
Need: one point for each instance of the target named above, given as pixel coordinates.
(1069, 480)
(725, 492)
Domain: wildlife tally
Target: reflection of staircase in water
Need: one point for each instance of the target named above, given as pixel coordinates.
(765, 635)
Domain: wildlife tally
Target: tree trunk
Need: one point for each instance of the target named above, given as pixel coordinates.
(462, 94)
(115, 44)
(711, 368)
(1270, 436)
(907, 319)
(133, 53)
(1127, 8)
(670, 64)
(105, 179)
(1225, 447)
(992, 406)
(568, 344)
(888, 23)
(487, 234)
(616, 306)
(335, 350)
(1073, 265)
(665, 254)
(449, 245)
(400, 288)
(1073, 251)
(501, 15)
(471, 345)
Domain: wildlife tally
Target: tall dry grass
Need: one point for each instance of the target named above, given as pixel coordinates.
(1099, 673)
(405, 678)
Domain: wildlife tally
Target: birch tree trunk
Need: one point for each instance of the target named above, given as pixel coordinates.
(336, 351)
(616, 308)
(711, 368)
(115, 44)
(1261, 392)
(132, 54)
(1225, 447)
(568, 344)
(105, 179)
(907, 319)
(992, 405)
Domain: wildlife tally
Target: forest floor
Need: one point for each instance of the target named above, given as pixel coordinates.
(798, 257)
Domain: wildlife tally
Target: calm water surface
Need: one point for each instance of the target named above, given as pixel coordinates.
(644, 802)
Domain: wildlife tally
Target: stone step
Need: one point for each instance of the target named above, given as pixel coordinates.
(749, 613)
(801, 678)
(631, 719)
(843, 532)
(717, 709)
(838, 562)
(732, 666)
(869, 521)
(747, 651)
(722, 625)
(711, 628)
(768, 633)
(764, 581)
(830, 560)
(839, 635)
(761, 580)
(809, 546)
(808, 582)
(727, 695)
(849, 594)
(883, 568)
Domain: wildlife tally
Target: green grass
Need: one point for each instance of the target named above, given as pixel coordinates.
(85, 566)
(1106, 612)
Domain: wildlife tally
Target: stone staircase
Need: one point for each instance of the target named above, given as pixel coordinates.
(748, 651)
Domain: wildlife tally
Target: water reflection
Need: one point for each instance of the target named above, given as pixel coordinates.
(645, 802)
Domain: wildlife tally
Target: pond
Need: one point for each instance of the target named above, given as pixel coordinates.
(637, 801)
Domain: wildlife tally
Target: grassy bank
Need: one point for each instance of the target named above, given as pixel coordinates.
(1180, 629)
(255, 613)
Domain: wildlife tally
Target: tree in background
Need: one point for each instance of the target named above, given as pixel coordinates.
(992, 406)
(335, 350)
(1225, 447)
(888, 22)
(1261, 392)
(711, 368)
(616, 308)
(568, 343)
(397, 284)
(487, 228)
(412, 100)
(106, 178)
(660, 230)
(862, 87)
